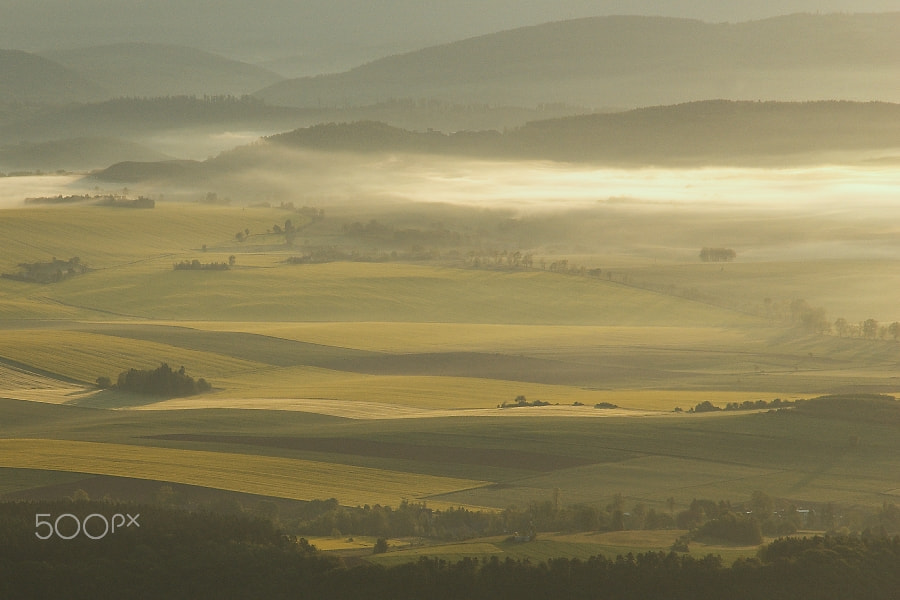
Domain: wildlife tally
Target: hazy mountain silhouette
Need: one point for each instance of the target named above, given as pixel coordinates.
(716, 132)
(78, 154)
(149, 70)
(124, 117)
(631, 61)
(26, 77)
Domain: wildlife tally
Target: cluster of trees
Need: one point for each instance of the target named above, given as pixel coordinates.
(869, 329)
(435, 235)
(326, 254)
(814, 319)
(179, 554)
(119, 202)
(162, 381)
(54, 271)
(196, 265)
(310, 212)
(717, 254)
(98, 199)
(60, 199)
(415, 519)
(521, 401)
(507, 259)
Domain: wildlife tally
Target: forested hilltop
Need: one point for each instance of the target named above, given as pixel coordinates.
(627, 61)
(714, 132)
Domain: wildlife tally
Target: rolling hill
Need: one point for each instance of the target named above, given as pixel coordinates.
(77, 154)
(716, 132)
(31, 78)
(630, 61)
(143, 69)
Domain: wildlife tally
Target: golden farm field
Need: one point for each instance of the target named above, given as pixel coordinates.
(408, 352)
(105, 237)
(266, 476)
(85, 356)
(383, 292)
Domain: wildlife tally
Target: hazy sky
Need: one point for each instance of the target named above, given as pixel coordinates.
(266, 29)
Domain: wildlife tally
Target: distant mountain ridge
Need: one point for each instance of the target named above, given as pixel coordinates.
(631, 61)
(151, 70)
(712, 131)
(716, 132)
(26, 77)
(79, 154)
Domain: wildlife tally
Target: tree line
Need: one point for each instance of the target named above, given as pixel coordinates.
(178, 554)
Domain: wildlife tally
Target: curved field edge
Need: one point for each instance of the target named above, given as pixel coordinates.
(265, 476)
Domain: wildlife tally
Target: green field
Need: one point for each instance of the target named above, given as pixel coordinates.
(548, 546)
(374, 382)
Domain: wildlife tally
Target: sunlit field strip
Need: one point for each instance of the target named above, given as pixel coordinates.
(104, 237)
(429, 392)
(86, 356)
(377, 410)
(380, 292)
(393, 397)
(439, 392)
(475, 337)
(268, 476)
(443, 392)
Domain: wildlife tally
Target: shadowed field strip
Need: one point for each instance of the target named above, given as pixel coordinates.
(471, 337)
(267, 476)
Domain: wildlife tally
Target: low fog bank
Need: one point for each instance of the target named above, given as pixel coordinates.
(825, 211)
(14, 190)
(827, 234)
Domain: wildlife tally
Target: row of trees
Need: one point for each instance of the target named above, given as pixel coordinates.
(743, 524)
(196, 265)
(815, 320)
(707, 406)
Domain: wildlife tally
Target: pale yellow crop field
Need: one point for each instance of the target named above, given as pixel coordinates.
(86, 356)
(267, 476)
(428, 392)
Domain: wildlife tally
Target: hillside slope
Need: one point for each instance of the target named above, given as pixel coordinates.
(83, 153)
(143, 69)
(631, 61)
(30, 78)
(715, 131)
